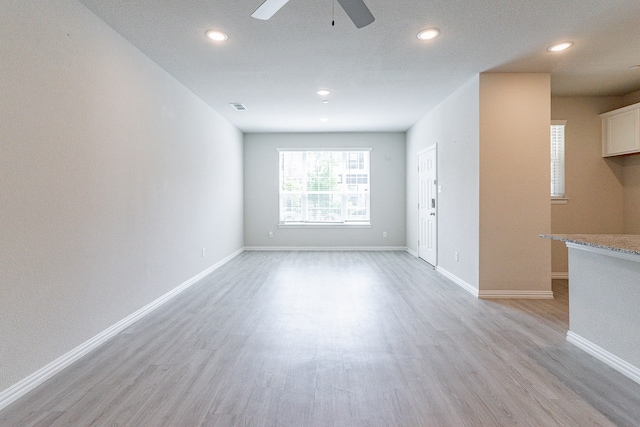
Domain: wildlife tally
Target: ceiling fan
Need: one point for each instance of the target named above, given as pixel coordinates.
(355, 9)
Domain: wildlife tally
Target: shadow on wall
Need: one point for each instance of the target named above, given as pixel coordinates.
(616, 165)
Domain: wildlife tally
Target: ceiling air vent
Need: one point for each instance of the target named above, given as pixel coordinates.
(238, 106)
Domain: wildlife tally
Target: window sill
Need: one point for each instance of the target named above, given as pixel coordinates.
(559, 200)
(320, 225)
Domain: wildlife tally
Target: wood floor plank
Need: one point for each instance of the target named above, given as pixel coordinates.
(336, 339)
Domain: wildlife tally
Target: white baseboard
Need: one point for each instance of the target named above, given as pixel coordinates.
(458, 281)
(560, 275)
(515, 294)
(29, 383)
(325, 248)
(498, 294)
(604, 356)
(412, 252)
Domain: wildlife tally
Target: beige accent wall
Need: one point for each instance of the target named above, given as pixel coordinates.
(594, 185)
(631, 179)
(514, 182)
(631, 98)
(113, 177)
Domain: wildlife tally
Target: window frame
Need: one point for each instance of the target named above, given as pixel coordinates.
(560, 164)
(344, 193)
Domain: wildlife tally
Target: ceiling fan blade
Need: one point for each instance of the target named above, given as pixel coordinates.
(358, 12)
(268, 9)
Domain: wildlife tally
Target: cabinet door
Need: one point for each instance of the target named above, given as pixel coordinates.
(621, 133)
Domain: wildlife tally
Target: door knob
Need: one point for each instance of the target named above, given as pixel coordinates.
(433, 213)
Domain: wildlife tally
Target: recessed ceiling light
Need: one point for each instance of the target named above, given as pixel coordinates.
(429, 34)
(325, 101)
(324, 119)
(323, 92)
(216, 35)
(560, 46)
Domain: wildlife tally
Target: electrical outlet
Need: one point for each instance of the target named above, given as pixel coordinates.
(271, 234)
(384, 234)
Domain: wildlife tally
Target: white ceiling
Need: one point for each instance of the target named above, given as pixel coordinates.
(381, 77)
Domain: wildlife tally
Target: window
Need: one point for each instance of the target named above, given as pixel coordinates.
(557, 158)
(324, 187)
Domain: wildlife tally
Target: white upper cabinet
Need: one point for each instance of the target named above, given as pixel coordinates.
(621, 131)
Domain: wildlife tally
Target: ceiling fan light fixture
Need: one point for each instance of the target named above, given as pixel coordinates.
(323, 92)
(357, 11)
(216, 35)
(428, 34)
(560, 47)
(268, 9)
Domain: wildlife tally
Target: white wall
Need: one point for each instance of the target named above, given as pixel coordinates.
(603, 306)
(515, 206)
(387, 191)
(454, 126)
(113, 177)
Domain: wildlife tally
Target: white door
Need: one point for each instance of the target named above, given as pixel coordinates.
(427, 200)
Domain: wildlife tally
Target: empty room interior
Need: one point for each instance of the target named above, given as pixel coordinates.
(326, 213)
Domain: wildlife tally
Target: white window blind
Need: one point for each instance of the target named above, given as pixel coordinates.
(557, 159)
(324, 187)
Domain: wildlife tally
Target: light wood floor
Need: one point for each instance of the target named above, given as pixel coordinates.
(336, 339)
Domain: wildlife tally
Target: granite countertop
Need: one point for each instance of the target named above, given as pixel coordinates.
(627, 243)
